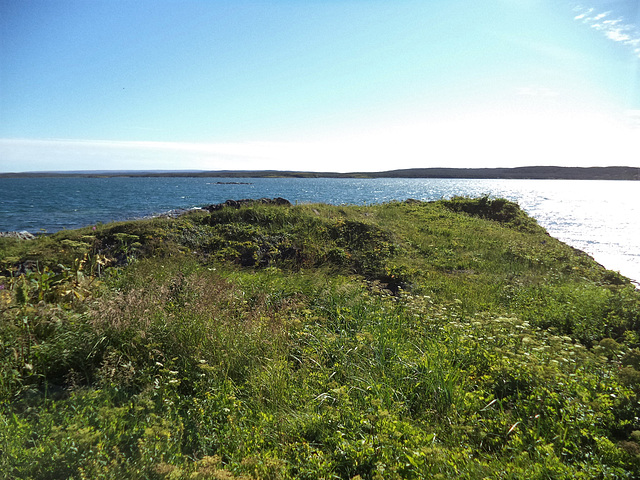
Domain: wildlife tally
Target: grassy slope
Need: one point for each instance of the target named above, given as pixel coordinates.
(452, 339)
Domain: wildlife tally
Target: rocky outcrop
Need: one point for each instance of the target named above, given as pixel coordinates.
(24, 235)
(247, 201)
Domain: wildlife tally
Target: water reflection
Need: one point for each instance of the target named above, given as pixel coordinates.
(599, 217)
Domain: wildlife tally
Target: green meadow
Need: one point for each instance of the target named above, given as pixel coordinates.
(412, 340)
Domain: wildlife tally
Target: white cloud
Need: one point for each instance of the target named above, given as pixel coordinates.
(634, 119)
(614, 29)
(536, 92)
(600, 16)
(490, 139)
(70, 154)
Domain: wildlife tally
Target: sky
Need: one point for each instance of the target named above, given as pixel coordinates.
(318, 85)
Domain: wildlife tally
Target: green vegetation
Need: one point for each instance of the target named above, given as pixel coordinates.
(451, 339)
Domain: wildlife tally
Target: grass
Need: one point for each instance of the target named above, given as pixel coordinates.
(451, 339)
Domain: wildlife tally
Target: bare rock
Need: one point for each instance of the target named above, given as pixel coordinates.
(24, 235)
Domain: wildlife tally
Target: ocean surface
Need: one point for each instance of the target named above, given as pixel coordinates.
(599, 217)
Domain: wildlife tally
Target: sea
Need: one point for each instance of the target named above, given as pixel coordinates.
(600, 217)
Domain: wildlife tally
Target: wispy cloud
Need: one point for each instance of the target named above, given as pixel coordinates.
(73, 154)
(617, 29)
(634, 119)
(533, 91)
(488, 138)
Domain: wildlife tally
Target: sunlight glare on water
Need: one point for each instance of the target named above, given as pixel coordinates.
(596, 216)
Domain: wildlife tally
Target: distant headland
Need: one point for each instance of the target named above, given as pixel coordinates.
(533, 173)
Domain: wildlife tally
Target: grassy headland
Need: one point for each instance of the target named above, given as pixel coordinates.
(450, 339)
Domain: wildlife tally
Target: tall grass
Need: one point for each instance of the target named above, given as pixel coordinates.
(405, 340)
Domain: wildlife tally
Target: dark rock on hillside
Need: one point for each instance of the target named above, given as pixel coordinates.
(247, 201)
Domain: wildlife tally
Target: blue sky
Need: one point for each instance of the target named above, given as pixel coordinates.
(318, 85)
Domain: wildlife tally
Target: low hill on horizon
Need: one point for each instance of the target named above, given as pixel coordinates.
(524, 173)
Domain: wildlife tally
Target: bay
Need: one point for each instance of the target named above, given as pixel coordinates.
(596, 216)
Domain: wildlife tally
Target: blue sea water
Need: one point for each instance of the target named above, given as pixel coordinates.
(599, 217)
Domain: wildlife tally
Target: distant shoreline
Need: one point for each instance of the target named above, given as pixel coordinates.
(516, 173)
